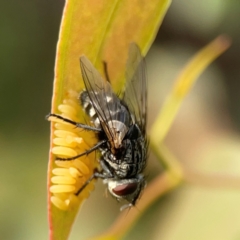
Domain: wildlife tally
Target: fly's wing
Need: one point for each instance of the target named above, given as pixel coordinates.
(113, 116)
(135, 94)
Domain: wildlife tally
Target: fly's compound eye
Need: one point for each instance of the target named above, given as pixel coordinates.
(125, 189)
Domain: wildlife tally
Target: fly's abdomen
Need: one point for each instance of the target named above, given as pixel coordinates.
(88, 108)
(108, 113)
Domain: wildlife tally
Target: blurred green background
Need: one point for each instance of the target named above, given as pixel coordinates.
(205, 135)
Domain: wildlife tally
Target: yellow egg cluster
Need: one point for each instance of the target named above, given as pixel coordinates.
(69, 141)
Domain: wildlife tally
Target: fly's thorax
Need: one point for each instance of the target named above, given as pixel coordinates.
(135, 154)
(119, 129)
(127, 161)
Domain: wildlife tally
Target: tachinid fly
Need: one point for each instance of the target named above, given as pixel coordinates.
(120, 125)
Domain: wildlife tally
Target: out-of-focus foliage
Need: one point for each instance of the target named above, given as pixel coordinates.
(207, 123)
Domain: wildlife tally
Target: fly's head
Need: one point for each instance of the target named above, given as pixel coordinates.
(126, 189)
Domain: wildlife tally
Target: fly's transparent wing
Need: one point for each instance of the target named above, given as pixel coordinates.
(135, 95)
(113, 116)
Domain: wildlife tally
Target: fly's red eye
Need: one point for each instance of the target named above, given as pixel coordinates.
(125, 189)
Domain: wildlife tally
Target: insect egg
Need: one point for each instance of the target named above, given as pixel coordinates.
(68, 176)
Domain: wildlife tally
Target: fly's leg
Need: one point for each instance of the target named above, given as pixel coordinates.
(105, 174)
(95, 175)
(106, 169)
(76, 124)
(106, 71)
(98, 145)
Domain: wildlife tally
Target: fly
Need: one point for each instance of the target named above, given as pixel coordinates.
(120, 126)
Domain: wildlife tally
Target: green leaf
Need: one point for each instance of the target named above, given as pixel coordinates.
(102, 31)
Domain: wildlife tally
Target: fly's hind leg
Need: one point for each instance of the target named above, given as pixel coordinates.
(76, 124)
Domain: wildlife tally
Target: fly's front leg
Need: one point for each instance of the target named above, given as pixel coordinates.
(95, 175)
(105, 169)
(105, 174)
